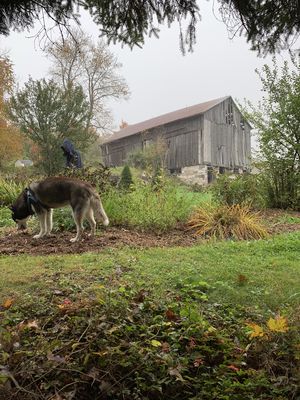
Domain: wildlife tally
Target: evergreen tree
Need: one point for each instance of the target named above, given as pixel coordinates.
(126, 178)
(268, 25)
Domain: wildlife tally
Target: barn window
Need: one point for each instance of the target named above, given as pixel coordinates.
(229, 114)
(242, 124)
(147, 143)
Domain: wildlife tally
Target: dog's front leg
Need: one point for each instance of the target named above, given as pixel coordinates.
(78, 234)
(42, 218)
(78, 218)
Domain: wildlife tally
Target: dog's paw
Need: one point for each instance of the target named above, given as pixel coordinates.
(73, 240)
(37, 236)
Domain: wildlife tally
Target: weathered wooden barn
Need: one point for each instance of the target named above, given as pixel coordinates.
(207, 137)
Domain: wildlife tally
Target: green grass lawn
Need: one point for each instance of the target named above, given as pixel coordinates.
(262, 273)
(157, 323)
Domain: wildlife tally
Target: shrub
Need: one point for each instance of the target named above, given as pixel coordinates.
(99, 177)
(281, 186)
(238, 189)
(227, 222)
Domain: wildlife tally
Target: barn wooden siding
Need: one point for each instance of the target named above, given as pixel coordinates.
(219, 137)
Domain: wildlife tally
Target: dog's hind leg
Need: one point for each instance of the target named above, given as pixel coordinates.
(91, 220)
(42, 218)
(49, 222)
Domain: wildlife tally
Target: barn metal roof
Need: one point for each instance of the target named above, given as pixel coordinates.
(165, 119)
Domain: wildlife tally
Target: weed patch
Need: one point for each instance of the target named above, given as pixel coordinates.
(146, 209)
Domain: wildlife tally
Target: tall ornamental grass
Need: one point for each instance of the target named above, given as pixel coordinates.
(9, 191)
(227, 222)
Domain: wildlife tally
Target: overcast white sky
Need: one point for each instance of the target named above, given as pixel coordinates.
(160, 78)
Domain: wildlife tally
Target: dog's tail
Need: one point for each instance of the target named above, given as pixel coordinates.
(100, 214)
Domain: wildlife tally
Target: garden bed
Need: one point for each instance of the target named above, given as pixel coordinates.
(14, 242)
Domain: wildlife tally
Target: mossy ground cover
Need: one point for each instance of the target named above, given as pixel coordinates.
(153, 323)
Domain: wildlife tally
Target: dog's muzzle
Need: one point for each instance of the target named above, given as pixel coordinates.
(22, 224)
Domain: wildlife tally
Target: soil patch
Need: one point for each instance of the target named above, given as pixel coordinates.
(277, 221)
(14, 242)
(22, 242)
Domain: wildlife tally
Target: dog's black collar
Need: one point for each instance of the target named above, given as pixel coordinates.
(33, 201)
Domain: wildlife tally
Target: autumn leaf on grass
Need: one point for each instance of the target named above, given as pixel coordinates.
(32, 324)
(65, 304)
(165, 347)
(170, 315)
(56, 358)
(155, 343)
(197, 362)
(7, 304)
(279, 324)
(256, 330)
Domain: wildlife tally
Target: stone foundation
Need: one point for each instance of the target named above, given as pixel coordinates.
(196, 174)
(203, 175)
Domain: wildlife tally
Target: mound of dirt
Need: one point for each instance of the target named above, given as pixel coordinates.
(15, 242)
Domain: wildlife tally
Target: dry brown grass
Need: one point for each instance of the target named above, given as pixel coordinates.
(225, 222)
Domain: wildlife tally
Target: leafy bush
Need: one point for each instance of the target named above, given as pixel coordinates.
(281, 185)
(226, 222)
(238, 189)
(99, 177)
(147, 209)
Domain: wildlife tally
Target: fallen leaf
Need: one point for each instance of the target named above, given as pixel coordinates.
(140, 296)
(8, 303)
(58, 359)
(197, 362)
(33, 324)
(155, 343)
(165, 347)
(279, 324)
(256, 330)
(113, 329)
(170, 315)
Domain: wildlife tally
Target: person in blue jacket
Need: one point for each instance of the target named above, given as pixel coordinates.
(73, 157)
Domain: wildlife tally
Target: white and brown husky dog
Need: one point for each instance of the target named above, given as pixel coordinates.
(41, 197)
